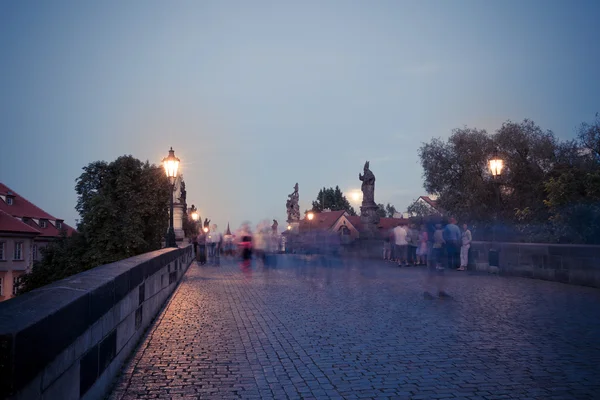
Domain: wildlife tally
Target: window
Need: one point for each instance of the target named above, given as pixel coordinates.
(58, 225)
(9, 200)
(2, 250)
(18, 251)
(42, 223)
(1, 287)
(34, 252)
(15, 285)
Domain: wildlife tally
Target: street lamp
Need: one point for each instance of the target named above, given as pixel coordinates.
(195, 215)
(310, 216)
(496, 164)
(171, 165)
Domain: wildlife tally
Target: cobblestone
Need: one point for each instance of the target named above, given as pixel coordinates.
(363, 330)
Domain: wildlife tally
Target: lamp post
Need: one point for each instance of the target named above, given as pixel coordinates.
(496, 164)
(171, 165)
(310, 217)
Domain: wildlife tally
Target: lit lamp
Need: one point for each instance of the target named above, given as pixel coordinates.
(171, 165)
(195, 216)
(496, 164)
(310, 216)
(205, 229)
(289, 227)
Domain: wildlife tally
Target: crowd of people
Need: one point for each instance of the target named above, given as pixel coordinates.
(210, 244)
(434, 245)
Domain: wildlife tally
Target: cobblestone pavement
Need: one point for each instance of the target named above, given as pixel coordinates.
(363, 330)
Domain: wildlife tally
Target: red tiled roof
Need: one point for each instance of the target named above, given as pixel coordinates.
(326, 220)
(322, 220)
(8, 223)
(21, 208)
(428, 200)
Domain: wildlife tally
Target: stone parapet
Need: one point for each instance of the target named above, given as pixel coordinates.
(68, 340)
(574, 264)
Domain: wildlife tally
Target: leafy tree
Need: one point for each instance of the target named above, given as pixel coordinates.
(381, 210)
(549, 190)
(332, 199)
(457, 171)
(123, 207)
(589, 137)
(390, 210)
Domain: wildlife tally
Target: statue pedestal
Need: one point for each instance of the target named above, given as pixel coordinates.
(369, 219)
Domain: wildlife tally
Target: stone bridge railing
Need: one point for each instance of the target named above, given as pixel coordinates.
(68, 340)
(567, 263)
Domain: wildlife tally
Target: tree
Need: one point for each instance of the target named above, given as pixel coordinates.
(332, 199)
(573, 190)
(123, 207)
(589, 137)
(390, 210)
(457, 171)
(381, 211)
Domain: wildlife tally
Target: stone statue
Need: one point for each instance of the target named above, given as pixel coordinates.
(206, 223)
(368, 186)
(274, 226)
(293, 209)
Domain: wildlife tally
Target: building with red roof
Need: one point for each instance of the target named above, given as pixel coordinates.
(346, 225)
(24, 230)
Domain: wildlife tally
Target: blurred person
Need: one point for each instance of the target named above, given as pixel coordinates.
(452, 237)
(387, 248)
(245, 246)
(413, 243)
(436, 280)
(438, 246)
(465, 246)
(422, 249)
(401, 244)
(259, 240)
(214, 242)
(201, 255)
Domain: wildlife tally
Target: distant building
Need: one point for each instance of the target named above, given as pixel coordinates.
(347, 226)
(426, 205)
(24, 230)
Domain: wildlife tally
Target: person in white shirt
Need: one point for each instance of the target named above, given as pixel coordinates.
(401, 244)
(465, 246)
(214, 241)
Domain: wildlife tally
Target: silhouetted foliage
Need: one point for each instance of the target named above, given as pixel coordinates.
(123, 207)
(332, 199)
(549, 190)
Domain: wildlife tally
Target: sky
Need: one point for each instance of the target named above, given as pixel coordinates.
(255, 96)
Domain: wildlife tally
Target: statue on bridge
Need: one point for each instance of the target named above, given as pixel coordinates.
(293, 209)
(274, 226)
(368, 186)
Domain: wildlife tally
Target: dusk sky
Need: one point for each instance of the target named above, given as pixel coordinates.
(255, 96)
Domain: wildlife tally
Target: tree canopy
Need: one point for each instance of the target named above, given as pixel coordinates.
(545, 187)
(332, 199)
(386, 211)
(123, 207)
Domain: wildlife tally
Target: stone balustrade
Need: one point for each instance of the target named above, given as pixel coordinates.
(567, 263)
(68, 340)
